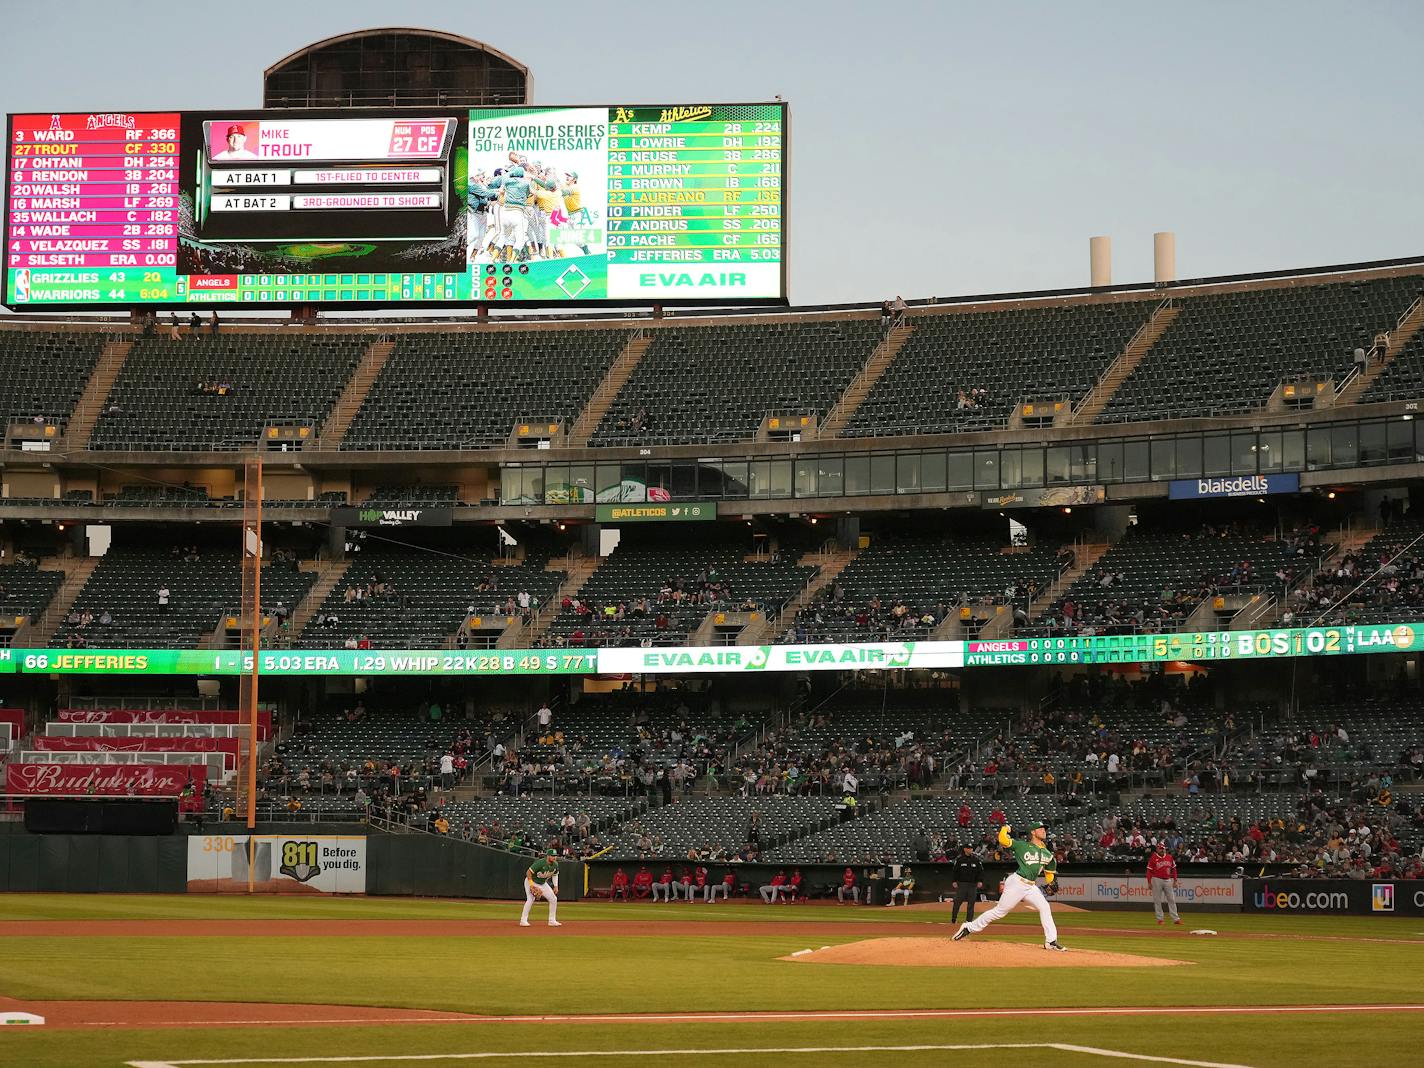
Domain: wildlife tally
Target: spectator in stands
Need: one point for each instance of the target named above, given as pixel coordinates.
(163, 597)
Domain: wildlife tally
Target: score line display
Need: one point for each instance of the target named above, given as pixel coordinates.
(697, 659)
(679, 204)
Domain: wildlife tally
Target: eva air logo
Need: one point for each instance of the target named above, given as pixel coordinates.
(572, 281)
(299, 861)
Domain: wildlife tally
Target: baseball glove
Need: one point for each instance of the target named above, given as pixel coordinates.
(1051, 889)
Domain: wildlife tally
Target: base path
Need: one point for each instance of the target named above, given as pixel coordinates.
(148, 1015)
(946, 953)
(572, 928)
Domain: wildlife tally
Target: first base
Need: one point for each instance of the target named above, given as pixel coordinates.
(20, 1018)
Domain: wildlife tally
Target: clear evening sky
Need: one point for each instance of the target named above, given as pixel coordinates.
(936, 148)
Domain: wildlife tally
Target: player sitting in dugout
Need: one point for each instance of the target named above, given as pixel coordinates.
(904, 888)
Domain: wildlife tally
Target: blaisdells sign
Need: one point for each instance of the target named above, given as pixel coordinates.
(688, 512)
(1233, 486)
(392, 517)
(1107, 890)
(277, 864)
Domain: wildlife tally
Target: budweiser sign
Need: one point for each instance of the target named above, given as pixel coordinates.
(102, 780)
(162, 715)
(153, 715)
(58, 744)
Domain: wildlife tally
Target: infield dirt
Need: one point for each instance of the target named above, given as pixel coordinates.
(946, 953)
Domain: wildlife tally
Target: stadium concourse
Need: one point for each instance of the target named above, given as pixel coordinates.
(460, 520)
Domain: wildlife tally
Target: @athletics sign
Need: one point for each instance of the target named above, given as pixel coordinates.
(689, 512)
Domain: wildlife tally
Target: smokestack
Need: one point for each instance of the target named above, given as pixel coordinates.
(1164, 256)
(1100, 261)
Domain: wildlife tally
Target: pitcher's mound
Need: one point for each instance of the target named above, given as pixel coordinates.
(946, 953)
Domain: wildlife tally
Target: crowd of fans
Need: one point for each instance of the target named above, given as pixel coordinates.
(1353, 834)
(806, 758)
(1110, 600)
(1361, 586)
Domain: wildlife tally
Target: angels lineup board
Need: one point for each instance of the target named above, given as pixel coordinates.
(678, 204)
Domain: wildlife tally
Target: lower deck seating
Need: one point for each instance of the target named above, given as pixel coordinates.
(400, 597)
(659, 588)
(203, 581)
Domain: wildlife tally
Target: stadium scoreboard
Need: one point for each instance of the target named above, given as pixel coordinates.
(853, 656)
(1195, 647)
(678, 204)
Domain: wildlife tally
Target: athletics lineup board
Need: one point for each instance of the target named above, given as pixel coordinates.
(1109, 649)
(678, 204)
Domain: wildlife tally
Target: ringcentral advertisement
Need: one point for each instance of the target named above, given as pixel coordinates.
(700, 659)
(528, 205)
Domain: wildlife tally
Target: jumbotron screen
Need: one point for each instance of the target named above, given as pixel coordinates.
(678, 204)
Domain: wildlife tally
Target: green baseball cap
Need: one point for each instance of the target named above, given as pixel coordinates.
(1038, 825)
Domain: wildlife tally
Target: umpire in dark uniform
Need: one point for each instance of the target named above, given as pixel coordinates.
(968, 877)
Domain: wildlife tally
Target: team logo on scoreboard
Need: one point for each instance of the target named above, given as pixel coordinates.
(1382, 897)
(299, 861)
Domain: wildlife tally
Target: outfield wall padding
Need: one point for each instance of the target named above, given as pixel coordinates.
(89, 864)
(427, 865)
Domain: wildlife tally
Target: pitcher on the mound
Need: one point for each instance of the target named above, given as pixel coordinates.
(1034, 859)
(542, 880)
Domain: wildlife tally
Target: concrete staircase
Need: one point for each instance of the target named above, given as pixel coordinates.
(1091, 406)
(577, 569)
(328, 574)
(1403, 332)
(338, 421)
(831, 563)
(96, 394)
(860, 386)
(1088, 554)
(619, 371)
(39, 633)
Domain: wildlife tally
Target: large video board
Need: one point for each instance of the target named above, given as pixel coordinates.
(667, 204)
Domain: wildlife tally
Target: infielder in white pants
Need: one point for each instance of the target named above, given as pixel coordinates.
(1034, 859)
(542, 880)
(1162, 881)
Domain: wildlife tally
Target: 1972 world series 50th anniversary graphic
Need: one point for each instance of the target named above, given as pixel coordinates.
(533, 205)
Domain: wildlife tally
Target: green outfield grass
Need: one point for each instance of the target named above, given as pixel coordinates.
(1365, 961)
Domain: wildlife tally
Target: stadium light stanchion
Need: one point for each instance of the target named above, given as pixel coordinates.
(251, 625)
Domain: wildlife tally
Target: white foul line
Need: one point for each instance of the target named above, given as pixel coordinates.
(772, 1016)
(761, 1051)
